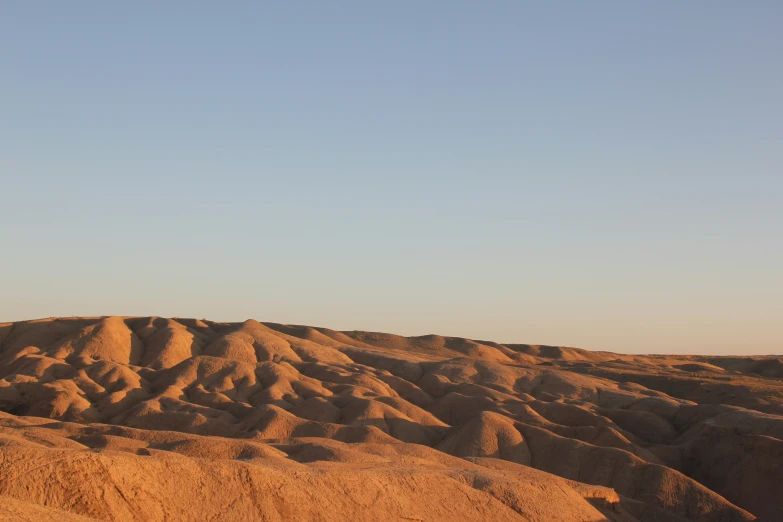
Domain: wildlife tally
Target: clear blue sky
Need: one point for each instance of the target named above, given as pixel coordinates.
(598, 174)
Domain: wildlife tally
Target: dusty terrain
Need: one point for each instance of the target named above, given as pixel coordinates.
(149, 419)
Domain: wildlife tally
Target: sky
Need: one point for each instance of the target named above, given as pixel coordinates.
(607, 175)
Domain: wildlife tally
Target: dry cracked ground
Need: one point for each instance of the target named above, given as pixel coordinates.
(152, 419)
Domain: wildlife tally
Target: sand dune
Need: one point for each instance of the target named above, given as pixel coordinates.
(116, 418)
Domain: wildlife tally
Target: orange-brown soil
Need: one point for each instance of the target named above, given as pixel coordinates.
(154, 419)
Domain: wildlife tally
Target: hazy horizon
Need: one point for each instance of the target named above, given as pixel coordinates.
(606, 179)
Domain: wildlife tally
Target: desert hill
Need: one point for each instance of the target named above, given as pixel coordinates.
(147, 418)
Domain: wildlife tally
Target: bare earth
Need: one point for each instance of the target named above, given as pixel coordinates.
(149, 419)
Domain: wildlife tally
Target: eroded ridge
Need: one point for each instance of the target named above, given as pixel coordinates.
(118, 418)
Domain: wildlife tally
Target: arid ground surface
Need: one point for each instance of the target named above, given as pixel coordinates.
(153, 419)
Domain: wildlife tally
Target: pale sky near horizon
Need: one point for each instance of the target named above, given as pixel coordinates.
(607, 174)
